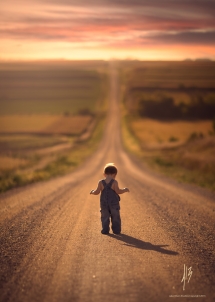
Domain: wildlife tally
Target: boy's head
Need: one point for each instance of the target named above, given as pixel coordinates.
(110, 169)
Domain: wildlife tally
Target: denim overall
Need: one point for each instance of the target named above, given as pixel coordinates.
(109, 203)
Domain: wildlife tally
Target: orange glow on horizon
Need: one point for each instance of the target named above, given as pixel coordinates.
(64, 50)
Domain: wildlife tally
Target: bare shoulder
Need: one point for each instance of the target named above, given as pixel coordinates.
(100, 183)
(115, 183)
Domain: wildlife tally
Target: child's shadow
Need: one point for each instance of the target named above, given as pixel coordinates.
(137, 243)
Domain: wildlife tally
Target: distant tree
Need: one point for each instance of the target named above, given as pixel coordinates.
(166, 109)
(85, 111)
(66, 113)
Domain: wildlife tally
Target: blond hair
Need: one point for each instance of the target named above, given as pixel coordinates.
(110, 168)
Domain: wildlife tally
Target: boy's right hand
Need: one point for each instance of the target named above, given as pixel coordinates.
(127, 190)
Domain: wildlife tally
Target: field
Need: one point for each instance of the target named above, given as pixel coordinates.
(160, 134)
(51, 117)
(169, 117)
(44, 124)
(178, 75)
(8, 163)
(15, 142)
(51, 89)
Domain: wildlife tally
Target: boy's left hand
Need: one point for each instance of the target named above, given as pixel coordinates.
(91, 192)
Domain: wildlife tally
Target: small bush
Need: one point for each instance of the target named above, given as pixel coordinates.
(162, 162)
(173, 139)
(85, 111)
(193, 136)
(17, 179)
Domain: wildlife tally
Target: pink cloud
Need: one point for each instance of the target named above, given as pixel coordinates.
(110, 23)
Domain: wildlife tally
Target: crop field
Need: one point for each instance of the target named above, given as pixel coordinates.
(44, 124)
(178, 75)
(170, 117)
(50, 118)
(56, 89)
(158, 134)
(9, 163)
(15, 142)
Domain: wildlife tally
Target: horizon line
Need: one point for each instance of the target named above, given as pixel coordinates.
(103, 60)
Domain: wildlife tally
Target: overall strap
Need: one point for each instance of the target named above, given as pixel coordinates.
(110, 183)
(104, 183)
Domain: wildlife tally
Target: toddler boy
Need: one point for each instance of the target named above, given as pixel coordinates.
(109, 200)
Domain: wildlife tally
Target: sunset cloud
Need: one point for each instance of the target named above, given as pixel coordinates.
(108, 23)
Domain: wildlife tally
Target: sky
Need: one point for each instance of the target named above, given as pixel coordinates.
(107, 29)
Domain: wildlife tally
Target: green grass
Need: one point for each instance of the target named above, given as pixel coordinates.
(173, 170)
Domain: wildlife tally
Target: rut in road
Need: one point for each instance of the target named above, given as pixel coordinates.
(52, 248)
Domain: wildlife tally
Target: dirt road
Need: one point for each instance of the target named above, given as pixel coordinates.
(52, 249)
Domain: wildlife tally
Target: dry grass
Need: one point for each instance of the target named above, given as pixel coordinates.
(188, 160)
(69, 125)
(26, 123)
(9, 163)
(44, 124)
(153, 133)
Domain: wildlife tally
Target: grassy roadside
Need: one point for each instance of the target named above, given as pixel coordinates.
(193, 162)
(63, 163)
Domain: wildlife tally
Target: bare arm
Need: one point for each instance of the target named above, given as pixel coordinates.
(117, 189)
(98, 190)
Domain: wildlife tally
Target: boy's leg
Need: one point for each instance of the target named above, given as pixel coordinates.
(116, 220)
(105, 219)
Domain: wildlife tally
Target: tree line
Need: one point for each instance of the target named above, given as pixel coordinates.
(166, 109)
